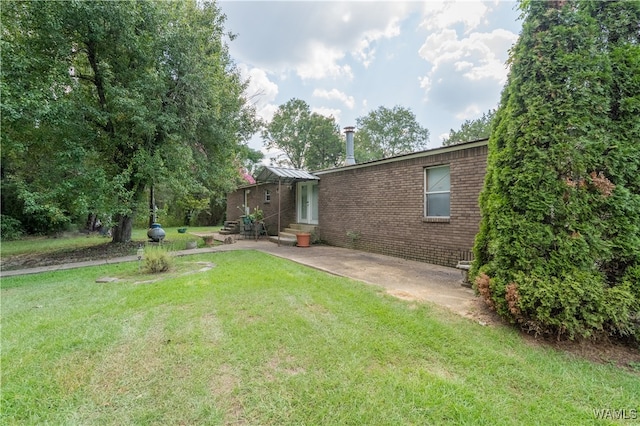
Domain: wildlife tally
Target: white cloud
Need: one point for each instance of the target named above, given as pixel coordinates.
(439, 15)
(328, 112)
(470, 111)
(443, 136)
(322, 62)
(314, 39)
(425, 83)
(451, 92)
(494, 46)
(261, 91)
(478, 56)
(364, 51)
(349, 101)
(465, 49)
(463, 65)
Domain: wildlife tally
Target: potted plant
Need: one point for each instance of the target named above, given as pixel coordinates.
(257, 215)
(257, 218)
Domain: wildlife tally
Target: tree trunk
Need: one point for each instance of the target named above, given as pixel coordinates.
(91, 222)
(121, 232)
(152, 206)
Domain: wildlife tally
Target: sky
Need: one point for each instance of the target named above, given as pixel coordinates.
(446, 61)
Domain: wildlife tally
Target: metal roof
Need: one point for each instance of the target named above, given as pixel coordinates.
(273, 174)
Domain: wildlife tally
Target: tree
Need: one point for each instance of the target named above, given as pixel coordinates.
(307, 140)
(472, 130)
(558, 250)
(326, 148)
(108, 98)
(249, 160)
(387, 132)
(288, 131)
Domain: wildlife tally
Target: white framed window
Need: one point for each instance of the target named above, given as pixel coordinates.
(437, 192)
(267, 196)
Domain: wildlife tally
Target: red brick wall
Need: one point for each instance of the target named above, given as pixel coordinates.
(256, 198)
(384, 203)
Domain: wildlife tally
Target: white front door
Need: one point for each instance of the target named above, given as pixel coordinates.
(245, 206)
(307, 202)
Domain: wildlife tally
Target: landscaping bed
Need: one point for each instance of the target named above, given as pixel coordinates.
(106, 250)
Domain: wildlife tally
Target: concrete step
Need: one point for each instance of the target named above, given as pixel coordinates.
(295, 231)
(287, 234)
(285, 241)
(230, 227)
(302, 227)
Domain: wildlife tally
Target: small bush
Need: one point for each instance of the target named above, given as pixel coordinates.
(10, 228)
(157, 260)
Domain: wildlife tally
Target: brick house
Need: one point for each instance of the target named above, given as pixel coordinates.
(275, 193)
(420, 206)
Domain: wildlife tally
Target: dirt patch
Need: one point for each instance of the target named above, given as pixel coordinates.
(401, 294)
(624, 354)
(182, 269)
(480, 312)
(187, 268)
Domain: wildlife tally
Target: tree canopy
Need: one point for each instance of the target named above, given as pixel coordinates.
(307, 139)
(558, 250)
(386, 132)
(472, 130)
(103, 99)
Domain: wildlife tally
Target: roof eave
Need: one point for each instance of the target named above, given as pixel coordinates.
(419, 154)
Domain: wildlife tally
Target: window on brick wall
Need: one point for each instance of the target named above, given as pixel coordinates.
(437, 192)
(267, 196)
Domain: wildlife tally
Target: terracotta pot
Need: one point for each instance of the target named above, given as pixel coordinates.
(304, 239)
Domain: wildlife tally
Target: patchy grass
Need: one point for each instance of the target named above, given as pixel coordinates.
(50, 244)
(41, 251)
(174, 241)
(261, 340)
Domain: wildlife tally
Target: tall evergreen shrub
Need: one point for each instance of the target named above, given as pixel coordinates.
(558, 250)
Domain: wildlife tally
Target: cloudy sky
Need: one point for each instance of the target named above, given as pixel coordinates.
(443, 60)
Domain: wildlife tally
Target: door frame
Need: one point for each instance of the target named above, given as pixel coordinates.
(311, 203)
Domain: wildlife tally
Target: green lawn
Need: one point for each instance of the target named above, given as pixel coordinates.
(173, 241)
(261, 340)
